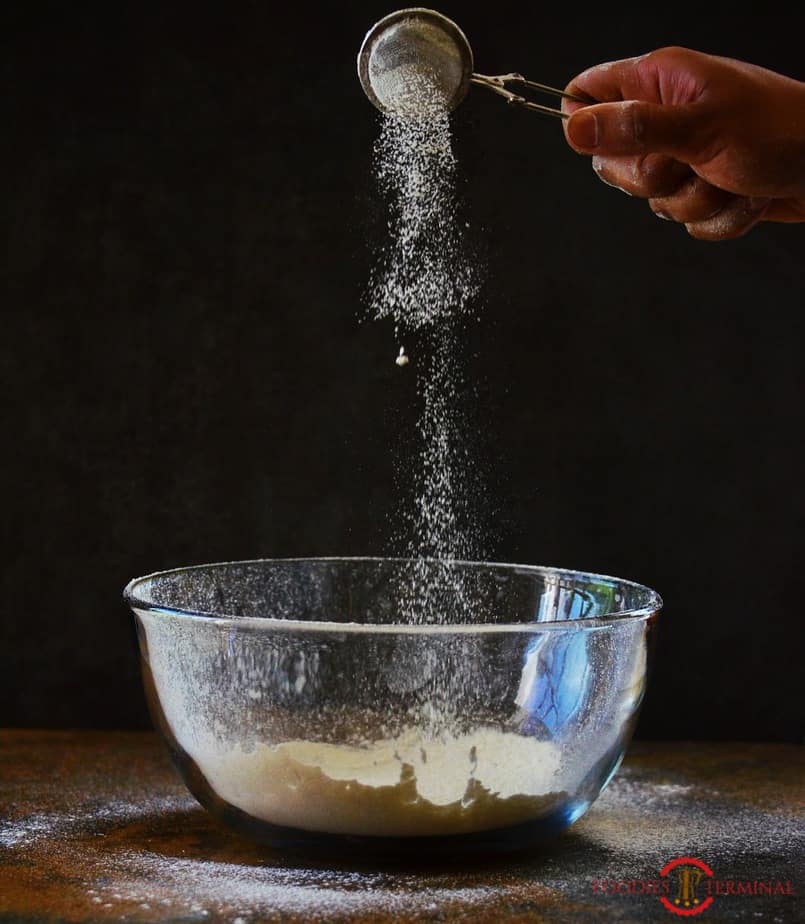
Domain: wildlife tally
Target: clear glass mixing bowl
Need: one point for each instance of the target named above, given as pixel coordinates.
(392, 704)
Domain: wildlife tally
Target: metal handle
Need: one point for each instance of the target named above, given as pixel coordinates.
(498, 85)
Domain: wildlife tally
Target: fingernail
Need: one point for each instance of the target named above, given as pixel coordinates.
(583, 129)
(664, 215)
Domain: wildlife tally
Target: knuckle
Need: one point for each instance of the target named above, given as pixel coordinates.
(670, 53)
(714, 229)
(645, 176)
(657, 206)
(658, 175)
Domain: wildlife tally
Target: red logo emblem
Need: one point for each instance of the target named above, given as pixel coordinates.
(689, 872)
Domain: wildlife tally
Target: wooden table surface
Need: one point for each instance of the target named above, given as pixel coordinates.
(96, 826)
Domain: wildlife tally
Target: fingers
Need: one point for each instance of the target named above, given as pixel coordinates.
(646, 176)
(609, 82)
(695, 201)
(738, 216)
(636, 128)
(677, 194)
(672, 76)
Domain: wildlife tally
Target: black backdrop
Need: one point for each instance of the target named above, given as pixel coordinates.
(190, 214)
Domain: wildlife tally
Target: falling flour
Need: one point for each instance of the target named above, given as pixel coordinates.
(432, 779)
(425, 283)
(423, 277)
(437, 777)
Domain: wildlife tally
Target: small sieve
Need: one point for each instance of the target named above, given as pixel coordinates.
(417, 44)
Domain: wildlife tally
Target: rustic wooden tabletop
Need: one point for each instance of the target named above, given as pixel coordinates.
(96, 826)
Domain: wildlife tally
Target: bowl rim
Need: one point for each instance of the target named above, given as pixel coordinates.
(141, 606)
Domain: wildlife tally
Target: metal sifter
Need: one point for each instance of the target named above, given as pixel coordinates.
(421, 43)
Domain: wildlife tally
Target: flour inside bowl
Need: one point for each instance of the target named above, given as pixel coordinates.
(401, 787)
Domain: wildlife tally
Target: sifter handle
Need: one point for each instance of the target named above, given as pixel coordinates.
(500, 84)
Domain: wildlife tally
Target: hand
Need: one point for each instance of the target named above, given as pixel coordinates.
(715, 144)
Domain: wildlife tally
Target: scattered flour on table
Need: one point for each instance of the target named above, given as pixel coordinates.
(237, 892)
(39, 826)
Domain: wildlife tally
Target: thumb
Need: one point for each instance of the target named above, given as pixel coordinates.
(634, 127)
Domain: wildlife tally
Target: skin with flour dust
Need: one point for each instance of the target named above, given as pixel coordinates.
(715, 144)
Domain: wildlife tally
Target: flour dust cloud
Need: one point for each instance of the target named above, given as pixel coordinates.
(426, 283)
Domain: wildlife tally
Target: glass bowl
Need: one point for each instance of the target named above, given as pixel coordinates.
(392, 704)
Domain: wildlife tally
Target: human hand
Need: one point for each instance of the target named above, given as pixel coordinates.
(713, 143)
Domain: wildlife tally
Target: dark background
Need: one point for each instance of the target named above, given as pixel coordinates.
(190, 217)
